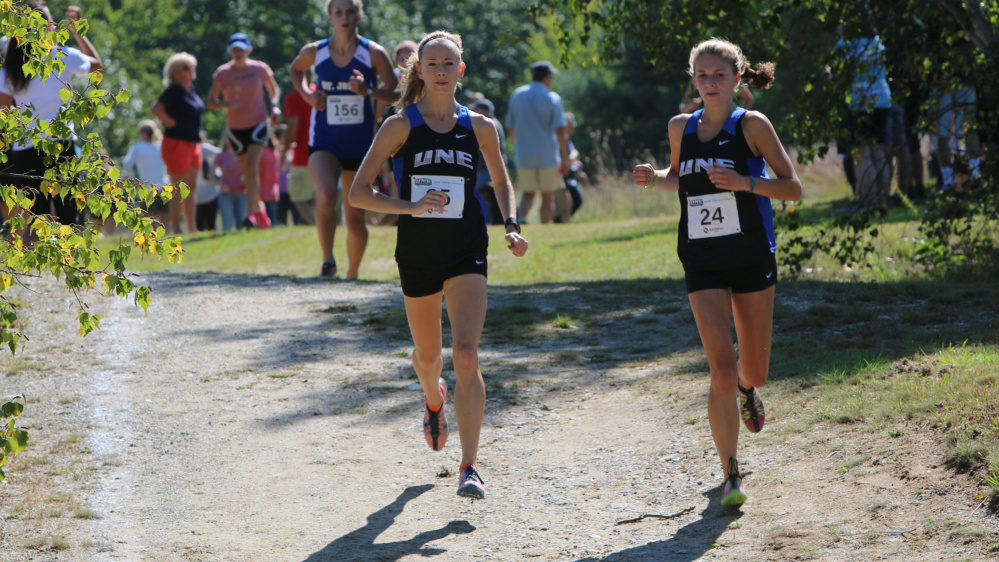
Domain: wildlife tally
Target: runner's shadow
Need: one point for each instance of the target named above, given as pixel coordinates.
(690, 542)
(360, 544)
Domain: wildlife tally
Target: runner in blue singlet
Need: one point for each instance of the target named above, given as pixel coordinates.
(726, 239)
(442, 243)
(343, 121)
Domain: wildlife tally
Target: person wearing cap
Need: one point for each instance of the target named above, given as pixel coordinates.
(241, 83)
(347, 69)
(483, 181)
(536, 124)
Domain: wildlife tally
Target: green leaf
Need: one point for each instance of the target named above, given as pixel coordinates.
(142, 297)
(65, 94)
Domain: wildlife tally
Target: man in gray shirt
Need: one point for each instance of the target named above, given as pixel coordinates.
(536, 124)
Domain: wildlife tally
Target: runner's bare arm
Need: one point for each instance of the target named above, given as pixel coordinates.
(668, 179)
(305, 59)
(388, 140)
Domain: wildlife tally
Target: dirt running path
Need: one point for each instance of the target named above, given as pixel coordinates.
(263, 418)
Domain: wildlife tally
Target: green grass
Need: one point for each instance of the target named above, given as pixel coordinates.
(881, 349)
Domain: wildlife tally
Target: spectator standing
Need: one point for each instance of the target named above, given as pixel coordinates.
(536, 124)
(870, 112)
(232, 193)
(483, 181)
(179, 109)
(143, 160)
(241, 83)
(298, 116)
(26, 162)
(208, 190)
(270, 191)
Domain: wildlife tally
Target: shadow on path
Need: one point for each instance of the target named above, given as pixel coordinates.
(360, 544)
(689, 543)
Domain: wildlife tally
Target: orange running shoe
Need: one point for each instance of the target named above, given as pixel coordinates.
(435, 423)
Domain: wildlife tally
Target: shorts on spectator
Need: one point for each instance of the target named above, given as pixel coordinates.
(543, 179)
(179, 156)
(300, 187)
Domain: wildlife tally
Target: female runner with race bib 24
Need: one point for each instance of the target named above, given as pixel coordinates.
(442, 240)
(725, 240)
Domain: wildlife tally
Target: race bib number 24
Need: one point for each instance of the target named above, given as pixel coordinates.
(712, 215)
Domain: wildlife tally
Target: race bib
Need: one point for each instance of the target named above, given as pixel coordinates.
(453, 187)
(344, 110)
(712, 215)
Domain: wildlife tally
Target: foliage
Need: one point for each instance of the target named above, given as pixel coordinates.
(38, 244)
(494, 34)
(931, 47)
(12, 440)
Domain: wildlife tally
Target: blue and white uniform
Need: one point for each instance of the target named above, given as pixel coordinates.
(721, 229)
(347, 126)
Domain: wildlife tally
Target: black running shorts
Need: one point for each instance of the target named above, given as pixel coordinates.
(241, 139)
(751, 279)
(419, 282)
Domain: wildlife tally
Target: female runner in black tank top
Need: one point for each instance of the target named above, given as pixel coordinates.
(441, 249)
(726, 238)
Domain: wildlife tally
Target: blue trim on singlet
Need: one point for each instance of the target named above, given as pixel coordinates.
(757, 168)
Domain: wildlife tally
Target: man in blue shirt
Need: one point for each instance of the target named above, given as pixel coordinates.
(536, 124)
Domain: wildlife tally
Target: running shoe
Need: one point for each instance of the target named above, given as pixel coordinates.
(328, 270)
(263, 219)
(250, 222)
(435, 423)
(733, 493)
(753, 413)
(470, 484)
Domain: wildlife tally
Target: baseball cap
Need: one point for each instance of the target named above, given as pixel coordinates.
(239, 41)
(482, 102)
(543, 64)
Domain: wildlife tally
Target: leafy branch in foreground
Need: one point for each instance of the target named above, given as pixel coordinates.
(12, 440)
(37, 243)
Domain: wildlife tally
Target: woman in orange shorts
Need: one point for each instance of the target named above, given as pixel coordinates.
(179, 109)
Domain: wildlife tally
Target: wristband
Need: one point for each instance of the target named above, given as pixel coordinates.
(752, 184)
(655, 178)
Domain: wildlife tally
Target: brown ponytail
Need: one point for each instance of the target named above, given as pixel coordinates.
(410, 85)
(760, 78)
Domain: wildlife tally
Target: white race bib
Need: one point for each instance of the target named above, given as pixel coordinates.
(344, 110)
(712, 215)
(453, 187)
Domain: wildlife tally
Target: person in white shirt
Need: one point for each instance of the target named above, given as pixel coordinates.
(26, 166)
(143, 160)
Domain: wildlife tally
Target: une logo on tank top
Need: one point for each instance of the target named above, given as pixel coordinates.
(440, 156)
(330, 85)
(697, 165)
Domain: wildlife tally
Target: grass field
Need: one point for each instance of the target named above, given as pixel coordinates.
(880, 350)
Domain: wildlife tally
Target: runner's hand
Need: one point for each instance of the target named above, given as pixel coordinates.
(727, 178)
(433, 200)
(644, 174)
(317, 100)
(356, 81)
(517, 244)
